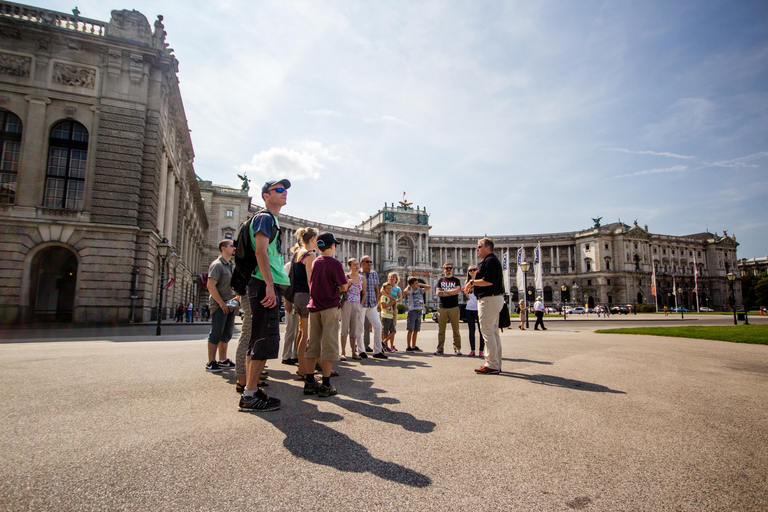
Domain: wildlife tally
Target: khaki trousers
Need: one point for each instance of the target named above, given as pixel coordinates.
(444, 315)
(488, 309)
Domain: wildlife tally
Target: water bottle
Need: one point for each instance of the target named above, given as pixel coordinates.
(232, 303)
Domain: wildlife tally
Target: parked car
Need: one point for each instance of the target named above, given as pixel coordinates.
(678, 310)
(619, 310)
(706, 309)
(577, 311)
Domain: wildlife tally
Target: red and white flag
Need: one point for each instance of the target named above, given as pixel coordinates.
(653, 282)
(169, 283)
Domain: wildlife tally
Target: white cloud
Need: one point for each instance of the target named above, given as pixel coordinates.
(742, 162)
(386, 119)
(347, 220)
(302, 163)
(323, 112)
(655, 153)
(676, 168)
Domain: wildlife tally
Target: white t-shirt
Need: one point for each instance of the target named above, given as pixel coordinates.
(538, 306)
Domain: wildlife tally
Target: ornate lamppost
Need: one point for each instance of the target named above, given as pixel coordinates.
(731, 278)
(162, 251)
(563, 289)
(525, 267)
(680, 302)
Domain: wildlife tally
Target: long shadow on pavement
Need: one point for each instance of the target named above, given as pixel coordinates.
(307, 437)
(551, 380)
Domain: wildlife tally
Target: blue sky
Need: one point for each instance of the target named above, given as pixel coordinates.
(499, 117)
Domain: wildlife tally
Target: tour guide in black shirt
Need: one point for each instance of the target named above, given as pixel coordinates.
(488, 286)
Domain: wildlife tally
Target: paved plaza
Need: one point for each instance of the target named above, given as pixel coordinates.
(118, 419)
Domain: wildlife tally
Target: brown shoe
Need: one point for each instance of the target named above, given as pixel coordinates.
(484, 370)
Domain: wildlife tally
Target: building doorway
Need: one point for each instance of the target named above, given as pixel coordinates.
(52, 287)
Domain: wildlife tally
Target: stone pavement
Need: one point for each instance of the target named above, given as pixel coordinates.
(577, 421)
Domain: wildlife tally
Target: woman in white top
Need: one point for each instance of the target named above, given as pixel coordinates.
(472, 318)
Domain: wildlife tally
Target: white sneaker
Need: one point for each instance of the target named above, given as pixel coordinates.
(458, 352)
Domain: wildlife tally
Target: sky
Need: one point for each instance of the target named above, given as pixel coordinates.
(499, 117)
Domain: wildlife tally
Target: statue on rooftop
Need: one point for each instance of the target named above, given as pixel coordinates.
(246, 181)
(597, 221)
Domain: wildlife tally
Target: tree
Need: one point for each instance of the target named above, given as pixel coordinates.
(761, 292)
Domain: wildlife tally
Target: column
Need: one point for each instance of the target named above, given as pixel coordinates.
(427, 250)
(394, 247)
(170, 200)
(30, 180)
(420, 256)
(161, 191)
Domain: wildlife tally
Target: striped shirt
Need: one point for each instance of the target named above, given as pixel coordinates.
(372, 285)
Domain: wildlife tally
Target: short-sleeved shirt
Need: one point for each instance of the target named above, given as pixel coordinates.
(446, 284)
(395, 291)
(263, 222)
(415, 299)
(490, 271)
(386, 313)
(327, 275)
(221, 271)
(372, 284)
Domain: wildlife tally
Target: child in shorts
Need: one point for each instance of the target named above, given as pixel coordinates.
(414, 294)
(388, 305)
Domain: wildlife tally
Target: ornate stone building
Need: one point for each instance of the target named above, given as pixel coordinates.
(610, 264)
(96, 168)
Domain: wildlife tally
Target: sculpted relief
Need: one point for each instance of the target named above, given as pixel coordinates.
(15, 65)
(74, 76)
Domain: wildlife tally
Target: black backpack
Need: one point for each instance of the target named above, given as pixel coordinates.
(245, 254)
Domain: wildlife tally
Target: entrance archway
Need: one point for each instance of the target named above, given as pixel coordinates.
(591, 302)
(52, 285)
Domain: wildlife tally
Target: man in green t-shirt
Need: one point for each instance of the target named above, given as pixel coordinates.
(265, 295)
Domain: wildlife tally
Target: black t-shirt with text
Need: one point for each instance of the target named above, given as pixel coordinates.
(490, 271)
(446, 284)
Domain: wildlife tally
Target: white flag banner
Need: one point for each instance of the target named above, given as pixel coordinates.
(520, 276)
(537, 272)
(696, 281)
(505, 270)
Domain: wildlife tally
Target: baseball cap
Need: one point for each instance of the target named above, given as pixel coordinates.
(325, 240)
(284, 183)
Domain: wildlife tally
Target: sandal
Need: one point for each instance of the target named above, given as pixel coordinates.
(240, 388)
(342, 357)
(334, 373)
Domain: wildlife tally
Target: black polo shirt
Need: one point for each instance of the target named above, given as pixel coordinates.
(490, 271)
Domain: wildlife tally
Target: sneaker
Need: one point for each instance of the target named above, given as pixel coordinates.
(227, 363)
(368, 349)
(381, 355)
(417, 349)
(410, 349)
(326, 391)
(363, 355)
(438, 352)
(484, 370)
(288, 362)
(213, 367)
(458, 352)
(394, 349)
(471, 353)
(311, 388)
(259, 402)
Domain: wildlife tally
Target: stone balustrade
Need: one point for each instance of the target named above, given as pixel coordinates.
(53, 18)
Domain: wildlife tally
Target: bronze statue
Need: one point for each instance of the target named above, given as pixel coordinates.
(246, 181)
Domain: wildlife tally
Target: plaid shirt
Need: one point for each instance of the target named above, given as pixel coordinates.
(372, 284)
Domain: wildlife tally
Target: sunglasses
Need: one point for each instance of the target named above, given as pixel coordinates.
(473, 270)
(367, 261)
(448, 268)
(279, 190)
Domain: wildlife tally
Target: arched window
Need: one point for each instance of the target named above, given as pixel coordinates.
(10, 150)
(547, 294)
(67, 156)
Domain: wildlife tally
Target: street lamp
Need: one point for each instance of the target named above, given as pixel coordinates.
(162, 251)
(562, 296)
(731, 277)
(525, 267)
(680, 303)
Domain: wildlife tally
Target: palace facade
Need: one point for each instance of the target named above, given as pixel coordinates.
(96, 170)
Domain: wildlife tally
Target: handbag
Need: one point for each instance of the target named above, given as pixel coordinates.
(504, 320)
(290, 290)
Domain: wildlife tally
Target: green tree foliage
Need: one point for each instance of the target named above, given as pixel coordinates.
(754, 290)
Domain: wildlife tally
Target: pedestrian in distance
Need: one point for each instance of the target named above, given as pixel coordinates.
(538, 310)
(523, 310)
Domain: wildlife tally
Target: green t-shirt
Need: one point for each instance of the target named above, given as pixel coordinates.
(263, 222)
